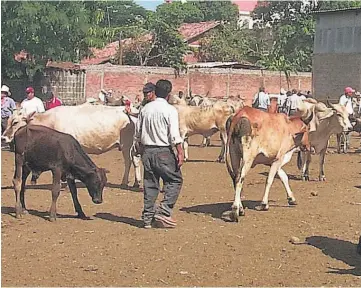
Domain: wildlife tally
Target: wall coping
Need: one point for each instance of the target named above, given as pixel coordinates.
(170, 71)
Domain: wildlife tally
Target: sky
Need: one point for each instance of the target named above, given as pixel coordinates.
(150, 4)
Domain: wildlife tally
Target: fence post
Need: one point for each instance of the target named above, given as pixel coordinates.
(188, 82)
(228, 80)
(102, 79)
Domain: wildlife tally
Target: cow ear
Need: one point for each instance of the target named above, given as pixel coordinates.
(28, 118)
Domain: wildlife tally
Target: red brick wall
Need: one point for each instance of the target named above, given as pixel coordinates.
(128, 80)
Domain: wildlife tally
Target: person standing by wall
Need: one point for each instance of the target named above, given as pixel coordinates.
(261, 100)
(32, 104)
(293, 102)
(52, 101)
(157, 130)
(7, 108)
(346, 100)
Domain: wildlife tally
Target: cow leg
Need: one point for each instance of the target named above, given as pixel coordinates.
(26, 172)
(272, 172)
(18, 183)
(74, 195)
(237, 207)
(306, 164)
(338, 137)
(185, 148)
(137, 174)
(204, 142)
(221, 156)
(322, 176)
(284, 178)
(55, 193)
(127, 163)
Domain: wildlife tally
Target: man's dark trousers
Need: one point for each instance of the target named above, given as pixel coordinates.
(160, 162)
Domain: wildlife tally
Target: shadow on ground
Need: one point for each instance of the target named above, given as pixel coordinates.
(338, 249)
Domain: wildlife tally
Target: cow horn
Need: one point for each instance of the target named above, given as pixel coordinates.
(308, 120)
(329, 104)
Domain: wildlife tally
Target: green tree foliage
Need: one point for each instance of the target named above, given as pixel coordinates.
(292, 29)
(330, 5)
(46, 30)
(157, 44)
(198, 11)
(218, 10)
(226, 44)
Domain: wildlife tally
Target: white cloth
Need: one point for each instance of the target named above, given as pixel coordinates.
(302, 97)
(263, 100)
(281, 100)
(347, 102)
(293, 101)
(101, 96)
(33, 105)
(158, 124)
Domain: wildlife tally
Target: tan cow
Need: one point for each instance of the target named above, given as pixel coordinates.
(257, 137)
(204, 121)
(326, 121)
(98, 129)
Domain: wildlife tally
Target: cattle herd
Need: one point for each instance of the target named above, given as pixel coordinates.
(248, 136)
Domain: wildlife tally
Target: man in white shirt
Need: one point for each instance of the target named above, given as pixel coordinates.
(293, 103)
(281, 101)
(32, 104)
(346, 100)
(157, 130)
(263, 100)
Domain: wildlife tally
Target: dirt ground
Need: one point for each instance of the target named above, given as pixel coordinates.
(112, 250)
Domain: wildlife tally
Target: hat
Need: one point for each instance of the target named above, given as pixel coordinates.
(29, 90)
(6, 89)
(149, 87)
(349, 90)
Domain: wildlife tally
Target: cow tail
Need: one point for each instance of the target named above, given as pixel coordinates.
(299, 160)
(229, 168)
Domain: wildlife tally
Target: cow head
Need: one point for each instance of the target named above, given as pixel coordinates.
(96, 184)
(336, 114)
(15, 122)
(341, 118)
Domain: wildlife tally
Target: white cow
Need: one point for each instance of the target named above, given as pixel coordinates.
(98, 129)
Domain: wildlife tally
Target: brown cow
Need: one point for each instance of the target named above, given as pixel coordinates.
(257, 137)
(39, 148)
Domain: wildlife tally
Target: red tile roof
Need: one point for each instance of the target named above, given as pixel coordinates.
(63, 65)
(192, 30)
(188, 30)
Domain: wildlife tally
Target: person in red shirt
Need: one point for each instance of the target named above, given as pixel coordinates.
(52, 102)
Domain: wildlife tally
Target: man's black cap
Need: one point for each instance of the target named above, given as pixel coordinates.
(149, 87)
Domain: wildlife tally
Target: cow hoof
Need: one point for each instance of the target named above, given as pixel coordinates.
(52, 219)
(123, 186)
(292, 202)
(24, 212)
(242, 213)
(234, 215)
(305, 178)
(220, 160)
(19, 215)
(83, 216)
(33, 182)
(322, 178)
(264, 207)
(136, 185)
